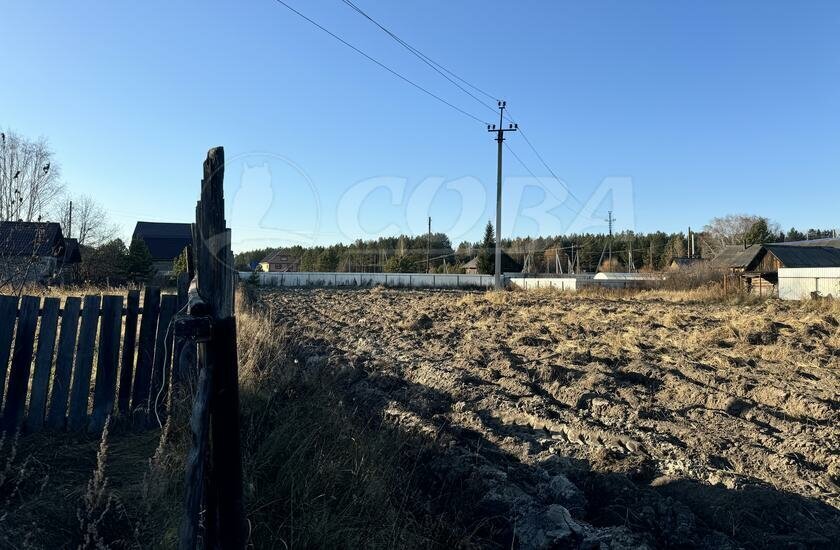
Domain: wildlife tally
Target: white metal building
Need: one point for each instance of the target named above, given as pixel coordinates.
(801, 283)
(559, 283)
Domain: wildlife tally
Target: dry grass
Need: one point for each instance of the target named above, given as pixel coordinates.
(325, 468)
(318, 474)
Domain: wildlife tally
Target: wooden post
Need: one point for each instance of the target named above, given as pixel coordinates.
(217, 402)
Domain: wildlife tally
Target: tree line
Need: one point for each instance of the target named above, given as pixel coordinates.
(585, 252)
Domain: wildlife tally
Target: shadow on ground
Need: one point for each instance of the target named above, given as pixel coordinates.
(478, 494)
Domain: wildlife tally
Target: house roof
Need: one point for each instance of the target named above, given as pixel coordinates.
(736, 256)
(276, 256)
(31, 239)
(164, 240)
(805, 256)
(687, 262)
(509, 265)
(835, 243)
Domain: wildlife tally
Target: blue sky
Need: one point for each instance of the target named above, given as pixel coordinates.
(687, 110)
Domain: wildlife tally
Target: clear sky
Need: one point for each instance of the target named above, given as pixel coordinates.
(686, 110)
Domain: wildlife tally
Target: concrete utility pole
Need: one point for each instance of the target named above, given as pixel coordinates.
(500, 138)
(610, 220)
(428, 245)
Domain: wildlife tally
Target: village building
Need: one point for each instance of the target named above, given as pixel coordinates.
(280, 261)
(34, 251)
(686, 263)
(757, 266)
(165, 241)
(509, 265)
(735, 258)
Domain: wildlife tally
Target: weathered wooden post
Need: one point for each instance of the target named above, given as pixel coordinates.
(214, 465)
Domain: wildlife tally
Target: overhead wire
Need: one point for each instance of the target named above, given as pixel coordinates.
(440, 69)
(450, 76)
(379, 63)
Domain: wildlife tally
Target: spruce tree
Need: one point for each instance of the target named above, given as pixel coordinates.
(139, 266)
(486, 256)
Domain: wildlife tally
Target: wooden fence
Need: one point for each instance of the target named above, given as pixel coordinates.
(133, 349)
(49, 349)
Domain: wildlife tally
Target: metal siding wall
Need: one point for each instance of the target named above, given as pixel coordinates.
(799, 283)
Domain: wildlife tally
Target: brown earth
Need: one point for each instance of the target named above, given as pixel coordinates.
(563, 421)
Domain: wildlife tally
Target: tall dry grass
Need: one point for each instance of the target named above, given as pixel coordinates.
(317, 473)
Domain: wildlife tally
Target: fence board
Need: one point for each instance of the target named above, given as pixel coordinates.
(43, 364)
(21, 362)
(106, 366)
(129, 345)
(163, 354)
(80, 393)
(8, 317)
(64, 362)
(145, 348)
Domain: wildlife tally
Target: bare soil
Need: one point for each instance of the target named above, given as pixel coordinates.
(564, 421)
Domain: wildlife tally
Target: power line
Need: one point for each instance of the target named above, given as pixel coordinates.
(547, 167)
(374, 60)
(525, 166)
(443, 71)
(440, 69)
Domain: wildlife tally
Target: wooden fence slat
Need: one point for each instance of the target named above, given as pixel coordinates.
(83, 366)
(163, 354)
(8, 318)
(145, 349)
(183, 358)
(21, 362)
(43, 364)
(129, 344)
(64, 363)
(104, 394)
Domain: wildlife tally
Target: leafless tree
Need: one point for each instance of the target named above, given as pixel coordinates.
(30, 182)
(90, 224)
(731, 229)
(30, 179)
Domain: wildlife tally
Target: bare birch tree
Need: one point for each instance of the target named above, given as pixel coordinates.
(732, 229)
(30, 179)
(89, 223)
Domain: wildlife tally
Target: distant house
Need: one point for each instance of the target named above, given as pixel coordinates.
(509, 265)
(32, 251)
(735, 258)
(280, 261)
(758, 265)
(165, 241)
(679, 264)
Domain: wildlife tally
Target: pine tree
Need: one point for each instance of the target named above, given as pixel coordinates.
(759, 233)
(486, 256)
(139, 266)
